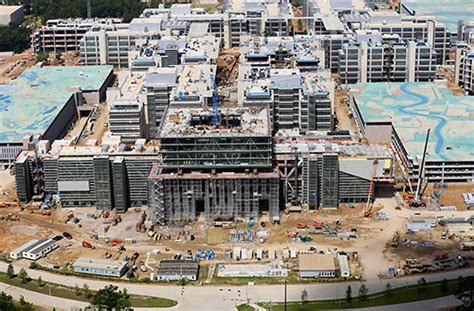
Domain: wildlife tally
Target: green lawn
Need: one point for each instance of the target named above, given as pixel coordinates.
(397, 295)
(73, 294)
(245, 307)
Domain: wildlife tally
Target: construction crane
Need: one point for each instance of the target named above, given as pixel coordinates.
(368, 208)
(421, 173)
(215, 105)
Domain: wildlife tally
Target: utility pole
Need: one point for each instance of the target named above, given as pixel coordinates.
(285, 294)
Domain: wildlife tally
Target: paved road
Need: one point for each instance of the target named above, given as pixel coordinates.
(222, 298)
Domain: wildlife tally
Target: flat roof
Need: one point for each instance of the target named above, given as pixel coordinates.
(8, 9)
(412, 108)
(29, 104)
(98, 263)
(316, 262)
(254, 121)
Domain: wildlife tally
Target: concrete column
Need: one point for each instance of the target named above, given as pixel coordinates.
(363, 50)
(411, 61)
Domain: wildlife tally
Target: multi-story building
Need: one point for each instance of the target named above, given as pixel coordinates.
(466, 31)
(301, 100)
(126, 119)
(59, 35)
(376, 60)
(222, 170)
(464, 67)
(416, 28)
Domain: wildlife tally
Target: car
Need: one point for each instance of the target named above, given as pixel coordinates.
(67, 235)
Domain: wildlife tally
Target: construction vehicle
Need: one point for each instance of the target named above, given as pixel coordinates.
(142, 266)
(302, 226)
(318, 224)
(105, 214)
(442, 256)
(293, 234)
(87, 244)
(108, 255)
(115, 242)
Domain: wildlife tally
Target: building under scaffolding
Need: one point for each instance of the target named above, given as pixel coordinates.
(223, 172)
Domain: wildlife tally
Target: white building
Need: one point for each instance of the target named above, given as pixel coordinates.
(11, 14)
(316, 266)
(39, 249)
(464, 67)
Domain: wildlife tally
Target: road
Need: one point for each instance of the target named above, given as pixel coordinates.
(432, 304)
(221, 298)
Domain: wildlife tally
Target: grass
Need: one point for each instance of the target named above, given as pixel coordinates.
(245, 307)
(292, 278)
(79, 294)
(396, 296)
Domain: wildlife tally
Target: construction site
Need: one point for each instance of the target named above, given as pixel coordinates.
(250, 162)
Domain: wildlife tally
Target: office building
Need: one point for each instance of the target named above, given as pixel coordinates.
(64, 35)
(102, 267)
(464, 67)
(175, 270)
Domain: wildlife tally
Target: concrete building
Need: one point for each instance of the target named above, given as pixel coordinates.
(158, 84)
(111, 176)
(426, 29)
(223, 172)
(102, 267)
(126, 119)
(301, 100)
(401, 113)
(59, 35)
(379, 60)
(41, 104)
(253, 270)
(175, 270)
(324, 174)
(464, 67)
(40, 249)
(11, 15)
(316, 266)
(466, 31)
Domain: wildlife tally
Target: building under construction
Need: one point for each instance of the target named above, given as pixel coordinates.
(220, 170)
(324, 174)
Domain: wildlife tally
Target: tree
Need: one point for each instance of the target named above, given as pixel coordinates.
(23, 276)
(40, 282)
(6, 302)
(304, 296)
(42, 57)
(300, 25)
(77, 290)
(24, 305)
(222, 45)
(86, 290)
(10, 271)
(14, 38)
(363, 290)
(111, 297)
(421, 285)
(349, 295)
(444, 286)
(388, 290)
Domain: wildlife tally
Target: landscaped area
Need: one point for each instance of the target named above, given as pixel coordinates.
(421, 291)
(78, 293)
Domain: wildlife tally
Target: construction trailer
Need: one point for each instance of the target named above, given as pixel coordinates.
(223, 172)
(39, 249)
(102, 267)
(316, 266)
(175, 270)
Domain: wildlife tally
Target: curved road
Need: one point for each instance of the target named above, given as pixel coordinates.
(221, 298)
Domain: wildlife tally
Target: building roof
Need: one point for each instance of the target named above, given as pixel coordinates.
(9, 9)
(412, 108)
(177, 267)
(253, 121)
(98, 263)
(30, 104)
(316, 262)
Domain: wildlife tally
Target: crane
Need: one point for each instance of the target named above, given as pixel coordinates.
(371, 188)
(215, 105)
(421, 173)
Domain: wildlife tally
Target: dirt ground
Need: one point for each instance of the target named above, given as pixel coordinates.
(452, 195)
(7, 186)
(345, 122)
(12, 66)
